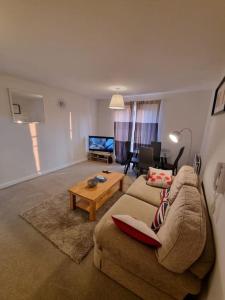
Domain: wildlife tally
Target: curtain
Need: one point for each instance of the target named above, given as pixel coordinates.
(123, 132)
(146, 125)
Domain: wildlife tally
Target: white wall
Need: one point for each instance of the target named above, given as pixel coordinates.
(56, 149)
(105, 119)
(178, 110)
(212, 152)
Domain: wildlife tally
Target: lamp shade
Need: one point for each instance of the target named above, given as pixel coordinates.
(116, 102)
(175, 136)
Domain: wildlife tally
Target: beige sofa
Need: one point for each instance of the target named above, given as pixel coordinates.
(187, 252)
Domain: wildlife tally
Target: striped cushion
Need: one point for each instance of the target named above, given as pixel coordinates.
(164, 193)
(161, 211)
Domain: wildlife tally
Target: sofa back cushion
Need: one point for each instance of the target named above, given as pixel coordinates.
(205, 262)
(185, 176)
(183, 232)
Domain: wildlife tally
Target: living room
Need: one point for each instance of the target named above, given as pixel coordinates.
(64, 70)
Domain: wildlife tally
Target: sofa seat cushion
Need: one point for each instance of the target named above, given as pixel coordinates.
(183, 233)
(185, 176)
(128, 205)
(139, 189)
(135, 257)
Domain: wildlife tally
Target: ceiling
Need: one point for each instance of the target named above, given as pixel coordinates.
(88, 46)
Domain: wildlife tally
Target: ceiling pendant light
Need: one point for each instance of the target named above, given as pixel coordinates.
(117, 102)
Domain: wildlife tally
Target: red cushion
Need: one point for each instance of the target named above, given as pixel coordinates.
(136, 229)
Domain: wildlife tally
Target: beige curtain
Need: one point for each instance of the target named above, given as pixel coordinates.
(123, 132)
(146, 125)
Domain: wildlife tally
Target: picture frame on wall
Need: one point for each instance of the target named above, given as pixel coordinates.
(219, 98)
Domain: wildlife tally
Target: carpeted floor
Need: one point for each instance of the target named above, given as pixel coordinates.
(31, 267)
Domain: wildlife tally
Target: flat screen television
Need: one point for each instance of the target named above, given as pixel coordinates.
(101, 143)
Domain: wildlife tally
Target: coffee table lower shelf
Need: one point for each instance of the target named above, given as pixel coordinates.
(85, 204)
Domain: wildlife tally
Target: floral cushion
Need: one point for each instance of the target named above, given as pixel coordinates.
(160, 180)
(153, 171)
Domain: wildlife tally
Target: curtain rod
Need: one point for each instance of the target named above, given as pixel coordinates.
(140, 97)
(137, 99)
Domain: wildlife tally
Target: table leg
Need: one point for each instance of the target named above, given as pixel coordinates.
(72, 201)
(121, 185)
(127, 166)
(92, 213)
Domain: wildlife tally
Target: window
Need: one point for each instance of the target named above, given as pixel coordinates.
(136, 126)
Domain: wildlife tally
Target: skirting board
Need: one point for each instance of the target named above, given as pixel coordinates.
(29, 177)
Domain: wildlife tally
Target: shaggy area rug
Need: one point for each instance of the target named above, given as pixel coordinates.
(69, 230)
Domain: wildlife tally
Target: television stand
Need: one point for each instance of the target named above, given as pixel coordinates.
(101, 156)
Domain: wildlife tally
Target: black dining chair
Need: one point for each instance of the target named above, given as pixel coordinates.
(124, 150)
(156, 152)
(174, 166)
(145, 159)
(128, 161)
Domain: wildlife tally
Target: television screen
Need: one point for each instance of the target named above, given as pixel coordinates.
(101, 143)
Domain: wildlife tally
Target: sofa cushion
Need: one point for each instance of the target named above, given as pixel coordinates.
(160, 214)
(137, 258)
(136, 229)
(183, 232)
(128, 205)
(161, 181)
(185, 176)
(205, 262)
(139, 189)
(164, 194)
(155, 171)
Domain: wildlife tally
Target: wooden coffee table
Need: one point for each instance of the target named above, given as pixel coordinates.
(91, 199)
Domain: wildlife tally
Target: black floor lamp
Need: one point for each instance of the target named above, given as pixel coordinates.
(176, 135)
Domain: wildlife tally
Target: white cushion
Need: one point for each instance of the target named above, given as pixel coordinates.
(157, 171)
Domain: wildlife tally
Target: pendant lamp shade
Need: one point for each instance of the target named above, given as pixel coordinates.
(116, 102)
